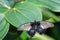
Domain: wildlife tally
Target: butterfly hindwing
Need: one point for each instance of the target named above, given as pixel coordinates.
(31, 32)
(41, 31)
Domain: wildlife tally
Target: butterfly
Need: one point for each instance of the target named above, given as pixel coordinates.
(35, 26)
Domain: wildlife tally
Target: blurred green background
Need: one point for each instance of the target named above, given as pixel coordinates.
(47, 10)
(50, 34)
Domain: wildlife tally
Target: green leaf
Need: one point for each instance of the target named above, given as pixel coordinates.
(11, 3)
(41, 37)
(5, 2)
(4, 5)
(23, 13)
(2, 24)
(2, 8)
(2, 21)
(1, 16)
(4, 27)
(49, 15)
(24, 35)
(51, 4)
(59, 16)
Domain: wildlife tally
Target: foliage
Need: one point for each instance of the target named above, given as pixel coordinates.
(18, 12)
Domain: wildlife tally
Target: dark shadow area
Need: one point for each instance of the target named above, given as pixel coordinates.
(55, 31)
(12, 34)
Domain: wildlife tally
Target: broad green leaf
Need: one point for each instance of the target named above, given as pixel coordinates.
(2, 9)
(1, 16)
(4, 2)
(57, 1)
(4, 5)
(2, 24)
(11, 3)
(2, 21)
(51, 4)
(4, 27)
(23, 13)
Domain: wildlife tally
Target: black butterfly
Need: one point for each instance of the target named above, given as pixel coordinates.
(33, 27)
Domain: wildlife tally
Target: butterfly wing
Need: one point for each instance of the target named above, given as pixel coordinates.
(25, 27)
(43, 26)
(46, 25)
(31, 32)
(41, 31)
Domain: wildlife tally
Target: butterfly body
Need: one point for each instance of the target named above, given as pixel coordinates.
(35, 26)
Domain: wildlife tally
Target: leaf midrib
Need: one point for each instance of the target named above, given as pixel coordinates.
(23, 14)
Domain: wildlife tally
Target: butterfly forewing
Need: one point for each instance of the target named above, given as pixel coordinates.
(46, 25)
(25, 27)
